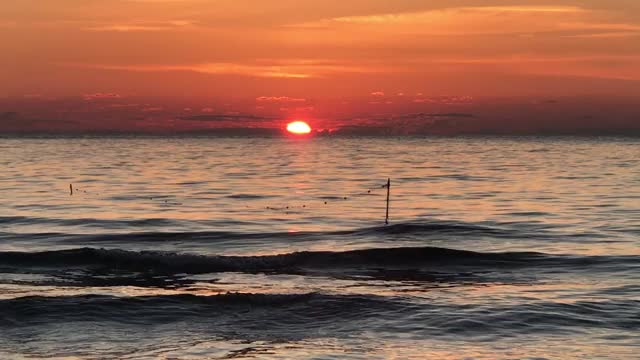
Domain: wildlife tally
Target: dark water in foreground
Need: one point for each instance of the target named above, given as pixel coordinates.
(198, 248)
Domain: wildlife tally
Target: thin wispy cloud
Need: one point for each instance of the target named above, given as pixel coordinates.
(472, 21)
(604, 35)
(599, 26)
(279, 99)
(294, 70)
(533, 58)
(143, 26)
(207, 68)
(613, 67)
(98, 96)
(429, 15)
(600, 66)
(225, 117)
(528, 9)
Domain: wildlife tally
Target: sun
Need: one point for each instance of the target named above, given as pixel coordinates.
(298, 128)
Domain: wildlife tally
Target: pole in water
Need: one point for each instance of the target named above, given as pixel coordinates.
(386, 219)
(70, 189)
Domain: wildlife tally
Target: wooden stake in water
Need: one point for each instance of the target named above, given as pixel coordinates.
(386, 219)
(70, 189)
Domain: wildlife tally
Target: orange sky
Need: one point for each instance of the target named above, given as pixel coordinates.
(318, 48)
(280, 50)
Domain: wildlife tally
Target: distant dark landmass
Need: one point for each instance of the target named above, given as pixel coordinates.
(579, 116)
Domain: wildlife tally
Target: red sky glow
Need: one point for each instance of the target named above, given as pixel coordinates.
(403, 67)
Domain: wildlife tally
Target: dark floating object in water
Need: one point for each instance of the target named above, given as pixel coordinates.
(70, 189)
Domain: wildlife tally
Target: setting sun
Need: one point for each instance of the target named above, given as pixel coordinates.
(298, 127)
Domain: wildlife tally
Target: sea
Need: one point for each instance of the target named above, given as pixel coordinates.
(277, 248)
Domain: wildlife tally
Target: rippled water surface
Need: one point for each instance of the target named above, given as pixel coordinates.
(198, 248)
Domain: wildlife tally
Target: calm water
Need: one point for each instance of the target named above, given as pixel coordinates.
(498, 248)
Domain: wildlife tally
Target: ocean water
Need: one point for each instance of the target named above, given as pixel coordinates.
(276, 248)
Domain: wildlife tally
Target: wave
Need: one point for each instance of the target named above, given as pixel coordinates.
(297, 314)
(299, 308)
(420, 229)
(434, 227)
(27, 220)
(389, 258)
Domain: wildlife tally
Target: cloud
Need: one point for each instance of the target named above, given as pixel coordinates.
(445, 100)
(422, 16)
(469, 21)
(377, 93)
(97, 96)
(152, 109)
(210, 68)
(117, 106)
(279, 99)
(605, 35)
(143, 26)
(528, 9)
(599, 26)
(225, 117)
(419, 116)
(612, 67)
(294, 69)
(531, 58)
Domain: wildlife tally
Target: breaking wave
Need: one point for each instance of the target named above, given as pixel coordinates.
(402, 257)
